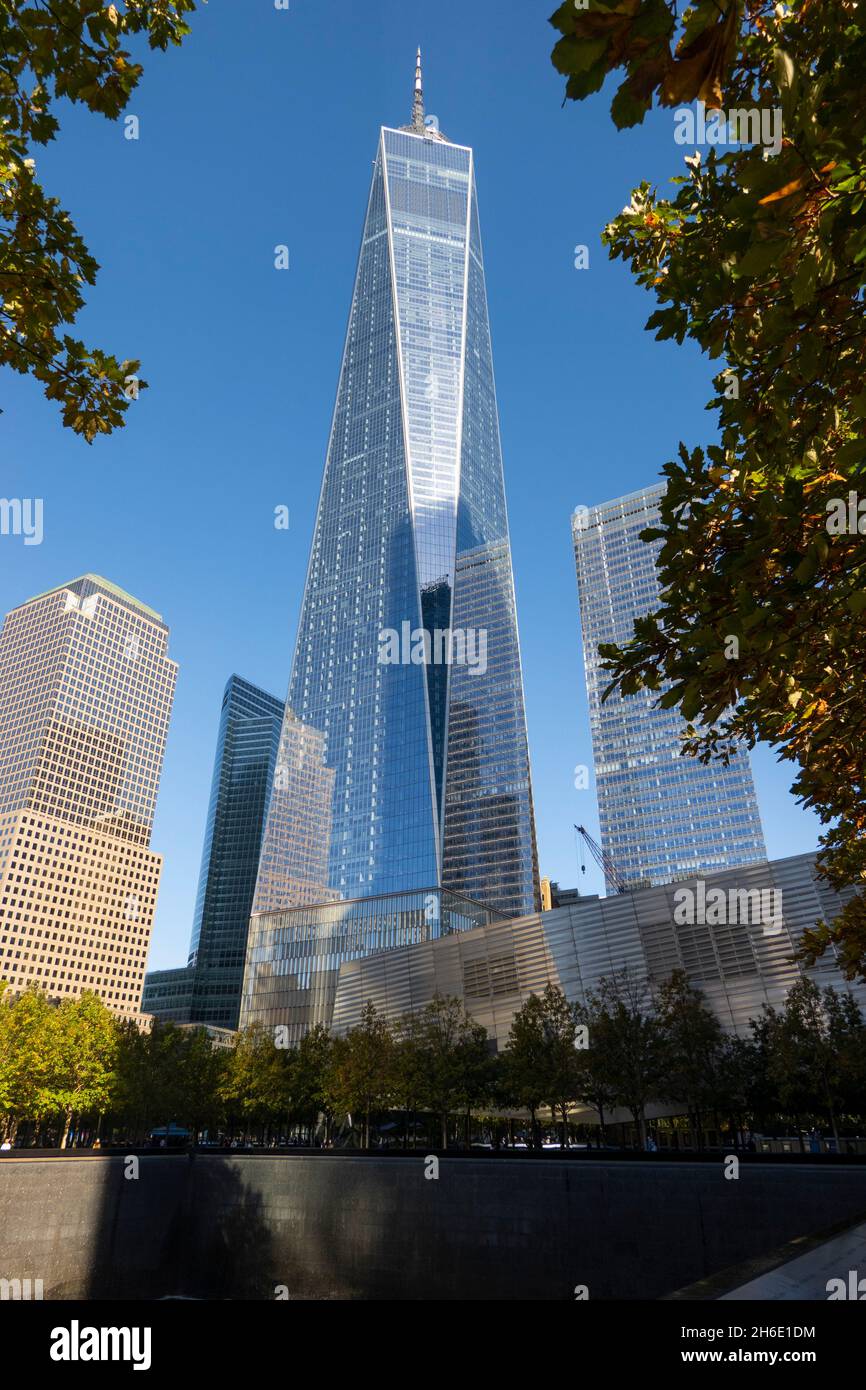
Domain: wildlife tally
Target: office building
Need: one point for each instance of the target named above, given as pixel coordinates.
(208, 990)
(407, 664)
(663, 816)
(86, 690)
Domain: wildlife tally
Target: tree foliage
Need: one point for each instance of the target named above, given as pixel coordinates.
(445, 1054)
(360, 1075)
(167, 1075)
(542, 1063)
(626, 1032)
(69, 1069)
(761, 261)
(817, 1043)
(85, 1053)
(692, 1047)
(74, 50)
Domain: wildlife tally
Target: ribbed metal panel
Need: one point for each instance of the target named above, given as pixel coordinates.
(495, 968)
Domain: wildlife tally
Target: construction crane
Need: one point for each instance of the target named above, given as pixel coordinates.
(603, 860)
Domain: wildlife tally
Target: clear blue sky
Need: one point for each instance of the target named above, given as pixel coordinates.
(261, 130)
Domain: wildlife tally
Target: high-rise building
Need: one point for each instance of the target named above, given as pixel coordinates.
(407, 663)
(663, 816)
(295, 853)
(246, 754)
(86, 690)
(208, 989)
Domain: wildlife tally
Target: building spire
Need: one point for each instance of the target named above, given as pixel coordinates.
(418, 101)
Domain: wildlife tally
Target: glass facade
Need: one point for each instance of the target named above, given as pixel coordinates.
(293, 867)
(209, 990)
(168, 994)
(247, 743)
(429, 757)
(407, 665)
(662, 816)
(295, 956)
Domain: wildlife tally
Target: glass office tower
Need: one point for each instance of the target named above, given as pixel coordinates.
(247, 744)
(208, 990)
(407, 660)
(663, 816)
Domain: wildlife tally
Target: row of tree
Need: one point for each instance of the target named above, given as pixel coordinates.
(70, 1072)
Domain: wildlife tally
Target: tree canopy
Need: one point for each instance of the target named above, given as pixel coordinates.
(760, 258)
(49, 50)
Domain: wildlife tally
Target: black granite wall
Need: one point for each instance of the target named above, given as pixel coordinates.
(328, 1226)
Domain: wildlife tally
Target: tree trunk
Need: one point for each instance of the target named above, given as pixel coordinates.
(67, 1125)
(600, 1108)
(640, 1121)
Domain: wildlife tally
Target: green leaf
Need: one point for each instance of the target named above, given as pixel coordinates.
(760, 257)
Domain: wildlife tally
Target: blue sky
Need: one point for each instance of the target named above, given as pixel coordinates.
(261, 131)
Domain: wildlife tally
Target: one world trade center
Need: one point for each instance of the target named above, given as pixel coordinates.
(401, 805)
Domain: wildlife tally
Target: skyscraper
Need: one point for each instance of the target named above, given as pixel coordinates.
(407, 662)
(663, 816)
(208, 989)
(298, 836)
(249, 735)
(86, 689)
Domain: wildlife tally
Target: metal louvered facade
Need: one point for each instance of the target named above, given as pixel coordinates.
(495, 968)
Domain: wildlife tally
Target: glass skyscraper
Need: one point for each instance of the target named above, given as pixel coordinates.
(247, 744)
(663, 816)
(208, 990)
(407, 662)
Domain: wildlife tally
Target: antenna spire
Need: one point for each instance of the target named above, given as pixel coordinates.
(418, 101)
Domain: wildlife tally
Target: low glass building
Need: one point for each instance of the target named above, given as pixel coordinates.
(295, 956)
